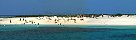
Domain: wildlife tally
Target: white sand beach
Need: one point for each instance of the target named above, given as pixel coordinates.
(42, 20)
(123, 20)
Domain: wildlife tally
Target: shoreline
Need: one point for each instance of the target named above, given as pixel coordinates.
(69, 25)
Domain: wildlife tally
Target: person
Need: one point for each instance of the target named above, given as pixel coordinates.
(24, 23)
(81, 19)
(10, 21)
(38, 23)
(74, 20)
(55, 22)
(20, 19)
(60, 23)
(32, 22)
(23, 19)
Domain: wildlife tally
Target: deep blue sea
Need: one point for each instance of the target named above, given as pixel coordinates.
(67, 32)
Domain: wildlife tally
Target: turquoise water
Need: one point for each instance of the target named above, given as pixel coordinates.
(67, 32)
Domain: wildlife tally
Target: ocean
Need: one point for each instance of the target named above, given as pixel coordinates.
(67, 32)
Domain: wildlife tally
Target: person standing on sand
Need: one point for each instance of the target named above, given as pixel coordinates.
(74, 20)
(55, 20)
(10, 21)
(24, 23)
(23, 19)
(20, 19)
(32, 22)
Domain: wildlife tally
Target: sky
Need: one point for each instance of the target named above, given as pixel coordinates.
(112, 6)
(39, 7)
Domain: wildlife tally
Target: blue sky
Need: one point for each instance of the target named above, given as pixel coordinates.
(29, 7)
(112, 6)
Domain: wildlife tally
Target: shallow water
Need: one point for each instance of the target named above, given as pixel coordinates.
(67, 32)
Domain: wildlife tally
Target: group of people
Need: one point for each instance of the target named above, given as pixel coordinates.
(57, 20)
(26, 21)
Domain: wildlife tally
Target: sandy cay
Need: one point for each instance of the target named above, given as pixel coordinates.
(123, 20)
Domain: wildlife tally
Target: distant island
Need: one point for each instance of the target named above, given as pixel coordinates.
(76, 19)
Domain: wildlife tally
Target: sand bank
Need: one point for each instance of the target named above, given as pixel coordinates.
(123, 20)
